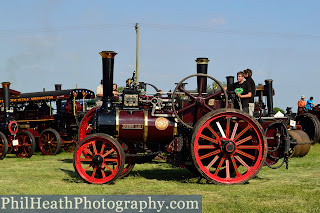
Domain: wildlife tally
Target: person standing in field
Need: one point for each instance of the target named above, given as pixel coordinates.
(248, 76)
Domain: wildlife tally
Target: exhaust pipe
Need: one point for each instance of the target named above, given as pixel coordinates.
(107, 78)
(202, 68)
(6, 98)
(230, 81)
(269, 94)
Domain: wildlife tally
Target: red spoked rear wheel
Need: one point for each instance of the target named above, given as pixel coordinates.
(3, 146)
(26, 146)
(228, 146)
(50, 142)
(99, 159)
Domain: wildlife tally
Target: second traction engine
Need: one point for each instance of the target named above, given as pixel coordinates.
(197, 128)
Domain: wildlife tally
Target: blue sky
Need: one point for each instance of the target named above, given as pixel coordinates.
(48, 42)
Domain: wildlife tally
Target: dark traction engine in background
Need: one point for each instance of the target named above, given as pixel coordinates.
(196, 128)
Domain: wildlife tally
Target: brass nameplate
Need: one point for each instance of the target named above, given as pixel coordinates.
(132, 126)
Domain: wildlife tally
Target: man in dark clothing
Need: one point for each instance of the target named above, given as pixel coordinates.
(248, 76)
(243, 91)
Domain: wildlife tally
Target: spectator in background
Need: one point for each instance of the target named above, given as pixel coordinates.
(248, 77)
(310, 104)
(99, 94)
(301, 105)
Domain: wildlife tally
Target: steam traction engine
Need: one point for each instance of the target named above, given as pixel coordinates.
(197, 128)
(21, 143)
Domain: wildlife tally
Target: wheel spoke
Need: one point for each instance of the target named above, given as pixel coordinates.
(244, 140)
(220, 129)
(200, 87)
(187, 93)
(212, 131)
(102, 148)
(186, 108)
(107, 167)
(94, 171)
(219, 166)
(228, 126)
(213, 161)
(234, 165)
(248, 147)
(88, 151)
(210, 154)
(209, 139)
(88, 167)
(103, 173)
(111, 159)
(208, 97)
(207, 147)
(242, 132)
(85, 159)
(207, 107)
(107, 153)
(245, 154)
(94, 147)
(241, 161)
(227, 169)
(234, 131)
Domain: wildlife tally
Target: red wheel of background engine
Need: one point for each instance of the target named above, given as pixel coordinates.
(26, 146)
(228, 146)
(3, 146)
(13, 127)
(85, 129)
(50, 142)
(128, 148)
(99, 159)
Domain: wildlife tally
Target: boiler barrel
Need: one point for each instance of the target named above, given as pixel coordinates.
(140, 127)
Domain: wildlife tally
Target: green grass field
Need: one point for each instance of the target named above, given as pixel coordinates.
(294, 190)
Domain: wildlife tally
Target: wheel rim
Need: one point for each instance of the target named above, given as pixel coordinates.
(85, 129)
(98, 160)
(198, 103)
(229, 148)
(25, 148)
(48, 143)
(130, 161)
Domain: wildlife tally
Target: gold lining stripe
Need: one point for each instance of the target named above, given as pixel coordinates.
(117, 123)
(145, 136)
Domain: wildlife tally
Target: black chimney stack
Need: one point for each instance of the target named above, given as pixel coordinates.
(230, 81)
(202, 68)
(6, 98)
(269, 94)
(107, 73)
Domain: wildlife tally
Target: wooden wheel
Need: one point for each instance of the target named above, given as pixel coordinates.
(198, 104)
(50, 142)
(3, 146)
(26, 146)
(99, 159)
(228, 146)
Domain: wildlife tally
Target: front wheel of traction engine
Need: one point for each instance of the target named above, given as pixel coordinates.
(26, 146)
(3, 146)
(99, 159)
(228, 147)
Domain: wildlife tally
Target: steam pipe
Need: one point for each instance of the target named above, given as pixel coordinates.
(269, 94)
(59, 107)
(202, 67)
(107, 74)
